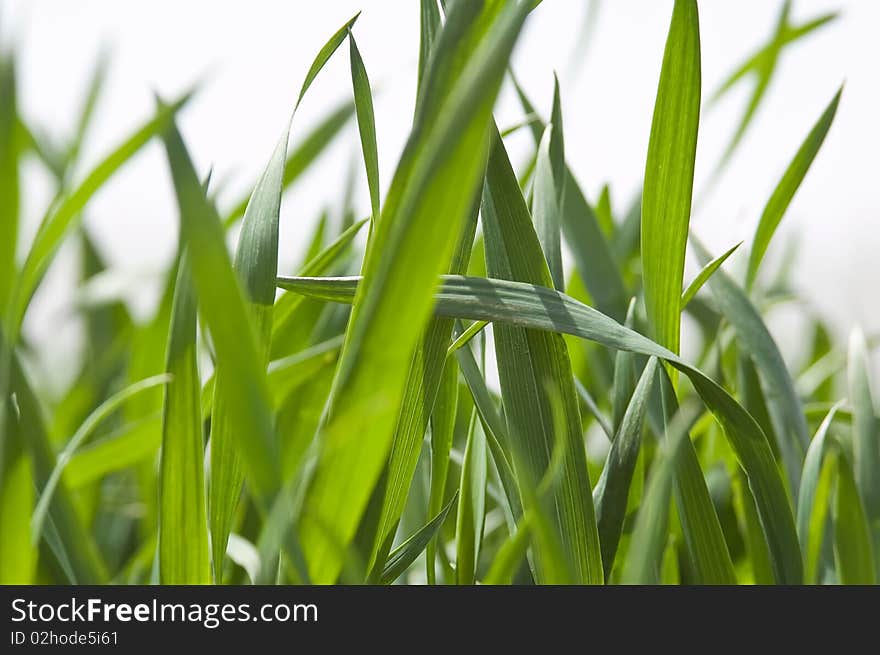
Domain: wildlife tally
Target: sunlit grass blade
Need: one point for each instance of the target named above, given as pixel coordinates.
(363, 102)
(471, 513)
(669, 175)
(545, 209)
(88, 427)
(18, 557)
(529, 360)
(612, 487)
(786, 412)
(705, 273)
(184, 555)
(63, 216)
(437, 176)
(782, 195)
(540, 308)
(303, 155)
(853, 551)
(9, 179)
(406, 553)
(866, 433)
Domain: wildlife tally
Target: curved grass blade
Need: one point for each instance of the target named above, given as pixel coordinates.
(406, 553)
(184, 555)
(866, 433)
(363, 102)
(669, 175)
(324, 55)
(707, 271)
(304, 155)
(540, 308)
(437, 176)
(471, 515)
(786, 414)
(782, 195)
(94, 419)
(612, 488)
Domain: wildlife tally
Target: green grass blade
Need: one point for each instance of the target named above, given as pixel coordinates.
(704, 275)
(437, 176)
(528, 360)
(63, 216)
(87, 111)
(256, 265)
(471, 514)
(9, 182)
(545, 210)
(131, 444)
(866, 433)
(222, 306)
(303, 155)
(782, 400)
(18, 558)
(429, 27)
(813, 498)
(612, 489)
(540, 308)
(853, 551)
(184, 555)
(624, 382)
(363, 102)
(442, 436)
(406, 553)
(782, 195)
(669, 174)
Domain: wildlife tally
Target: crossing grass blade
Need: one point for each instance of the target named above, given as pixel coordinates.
(363, 102)
(540, 308)
(437, 176)
(184, 554)
(704, 274)
(782, 195)
(669, 174)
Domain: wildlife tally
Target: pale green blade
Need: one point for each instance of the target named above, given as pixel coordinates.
(791, 180)
(669, 174)
(18, 557)
(866, 433)
(363, 102)
(184, 556)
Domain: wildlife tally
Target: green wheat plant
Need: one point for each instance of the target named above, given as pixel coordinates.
(341, 421)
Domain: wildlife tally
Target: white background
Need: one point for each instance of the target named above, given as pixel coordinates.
(255, 55)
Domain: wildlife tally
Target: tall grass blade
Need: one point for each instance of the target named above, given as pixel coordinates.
(471, 514)
(853, 551)
(866, 433)
(363, 102)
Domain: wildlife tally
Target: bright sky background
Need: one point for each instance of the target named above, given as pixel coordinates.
(256, 53)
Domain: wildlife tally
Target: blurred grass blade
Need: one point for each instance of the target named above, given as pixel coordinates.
(184, 555)
(437, 176)
(612, 489)
(324, 55)
(669, 174)
(406, 553)
(782, 400)
(87, 112)
(78, 549)
(540, 308)
(706, 272)
(430, 25)
(866, 433)
(812, 508)
(304, 155)
(527, 361)
(18, 558)
(63, 216)
(256, 265)
(363, 102)
(471, 514)
(782, 195)
(84, 431)
(222, 305)
(853, 551)
(9, 180)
